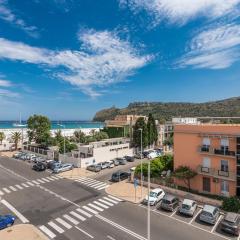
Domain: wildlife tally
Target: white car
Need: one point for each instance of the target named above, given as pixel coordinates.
(111, 164)
(155, 196)
(152, 155)
(188, 207)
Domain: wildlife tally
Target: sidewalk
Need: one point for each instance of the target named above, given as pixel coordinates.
(22, 232)
(126, 191)
(76, 173)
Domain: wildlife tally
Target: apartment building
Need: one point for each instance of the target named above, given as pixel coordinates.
(213, 151)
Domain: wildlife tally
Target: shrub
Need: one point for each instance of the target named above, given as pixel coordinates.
(231, 204)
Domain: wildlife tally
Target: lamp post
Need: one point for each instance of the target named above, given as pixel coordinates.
(140, 129)
(64, 141)
(148, 211)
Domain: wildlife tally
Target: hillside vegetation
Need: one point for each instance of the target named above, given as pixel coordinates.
(165, 111)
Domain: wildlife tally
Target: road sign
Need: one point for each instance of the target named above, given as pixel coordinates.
(135, 182)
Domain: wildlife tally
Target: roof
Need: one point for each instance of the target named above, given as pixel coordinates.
(209, 208)
(169, 197)
(188, 201)
(231, 217)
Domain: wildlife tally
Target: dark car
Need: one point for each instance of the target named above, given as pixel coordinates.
(39, 167)
(53, 164)
(231, 223)
(145, 154)
(94, 168)
(129, 158)
(169, 202)
(6, 221)
(119, 176)
(138, 156)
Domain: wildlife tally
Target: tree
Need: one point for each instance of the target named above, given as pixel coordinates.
(16, 137)
(2, 137)
(169, 140)
(39, 129)
(186, 174)
(68, 146)
(79, 137)
(140, 124)
(231, 204)
(101, 135)
(152, 130)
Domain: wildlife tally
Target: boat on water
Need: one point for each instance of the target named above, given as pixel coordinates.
(19, 124)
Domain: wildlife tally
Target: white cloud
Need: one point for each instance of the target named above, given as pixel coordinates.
(5, 83)
(7, 15)
(215, 48)
(103, 59)
(181, 11)
(8, 94)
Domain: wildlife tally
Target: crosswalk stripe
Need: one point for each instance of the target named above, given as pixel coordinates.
(115, 198)
(13, 188)
(110, 200)
(64, 223)
(108, 203)
(78, 216)
(88, 180)
(6, 190)
(90, 210)
(45, 179)
(83, 212)
(70, 219)
(31, 184)
(59, 176)
(100, 185)
(92, 184)
(35, 182)
(101, 205)
(56, 227)
(48, 232)
(49, 178)
(19, 187)
(25, 185)
(1, 193)
(40, 181)
(97, 184)
(54, 177)
(96, 207)
(101, 188)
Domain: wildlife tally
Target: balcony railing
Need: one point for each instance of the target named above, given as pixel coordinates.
(216, 173)
(215, 151)
(224, 152)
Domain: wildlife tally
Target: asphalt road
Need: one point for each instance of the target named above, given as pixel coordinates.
(70, 210)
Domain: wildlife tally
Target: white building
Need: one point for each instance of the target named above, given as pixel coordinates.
(185, 120)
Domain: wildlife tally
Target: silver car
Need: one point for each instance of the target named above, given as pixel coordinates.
(209, 214)
(188, 207)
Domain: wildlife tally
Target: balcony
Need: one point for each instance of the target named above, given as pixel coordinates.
(214, 151)
(216, 173)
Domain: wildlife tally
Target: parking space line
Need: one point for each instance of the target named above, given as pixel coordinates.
(193, 219)
(70, 219)
(47, 231)
(174, 212)
(215, 225)
(84, 232)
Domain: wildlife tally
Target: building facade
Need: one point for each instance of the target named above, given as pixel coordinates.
(213, 151)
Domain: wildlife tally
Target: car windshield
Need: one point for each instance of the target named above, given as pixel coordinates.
(166, 201)
(153, 194)
(207, 214)
(185, 206)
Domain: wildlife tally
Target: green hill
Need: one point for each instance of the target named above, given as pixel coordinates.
(165, 111)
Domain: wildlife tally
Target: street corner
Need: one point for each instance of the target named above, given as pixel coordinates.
(75, 173)
(22, 232)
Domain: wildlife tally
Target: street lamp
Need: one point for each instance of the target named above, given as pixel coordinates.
(140, 129)
(64, 141)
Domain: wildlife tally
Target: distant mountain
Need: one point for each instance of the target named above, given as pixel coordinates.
(165, 111)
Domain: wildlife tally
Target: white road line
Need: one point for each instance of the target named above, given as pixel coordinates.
(40, 181)
(13, 188)
(6, 190)
(87, 181)
(193, 219)
(216, 224)
(102, 187)
(1, 193)
(121, 228)
(111, 238)
(115, 198)
(35, 182)
(25, 185)
(70, 219)
(54, 177)
(84, 213)
(49, 178)
(174, 212)
(14, 210)
(19, 187)
(64, 223)
(59, 176)
(78, 216)
(90, 210)
(97, 183)
(93, 184)
(84, 232)
(29, 183)
(56, 227)
(110, 200)
(45, 179)
(101, 205)
(96, 207)
(47, 231)
(108, 203)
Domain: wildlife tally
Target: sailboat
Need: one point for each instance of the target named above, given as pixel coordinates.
(19, 124)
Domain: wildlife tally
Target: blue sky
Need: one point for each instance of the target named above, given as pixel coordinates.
(68, 59)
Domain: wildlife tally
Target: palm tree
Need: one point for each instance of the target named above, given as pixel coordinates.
(16, 137)
(2, 136)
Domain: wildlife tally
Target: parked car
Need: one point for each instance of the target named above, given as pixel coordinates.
(53, 164)
(115, 161)
(122, 161)
(138, 156)
(103, 165)
(119, 176)
(63, 167)
(145, 154)
(155, 196)
(110, 164)
(188, 207)
(94, 168)
(39, 167)
(6, 221)
(209, 214)
(39, 159)
(152, 155)
(129, 158)
(169, 202)
(17, 154)
(231, 223)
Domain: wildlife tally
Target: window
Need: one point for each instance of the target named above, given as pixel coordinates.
(206, 141)
(224, 187)
(224, 165)
(224, 142)
(206, 184)
(206, 163)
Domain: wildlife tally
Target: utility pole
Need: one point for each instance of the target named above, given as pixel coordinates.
(148, 211)
(140, 129)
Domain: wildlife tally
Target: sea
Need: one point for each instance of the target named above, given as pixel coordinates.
(57, 124)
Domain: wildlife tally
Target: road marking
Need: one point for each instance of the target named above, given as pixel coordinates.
(19, 187)
(84, 232)
(31, 184)
(174, 212)
(103, 187)
(101, 205)
(215, 225)
(110, 200)
(54, 177)
(86, 181)
(45, 179)
(64, 223)
(111, 238)
(121, 227)
(96, 207)
(47, 231)
(193, 219)
(40, 181)
(92, 184)
(25, 185)
(15, 211)
(6, 190)
(115, 198)
(100, 185)
(70, 219)
(90, 210)
(50, 179)
(108, 203)
(1, 193)
(13, 188)
(78, 216)
(84, 213)
(35, 182)
(56, 227)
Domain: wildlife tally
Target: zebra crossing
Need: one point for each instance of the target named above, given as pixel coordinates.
(93, 183)
(21, 186)
(71, 219)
